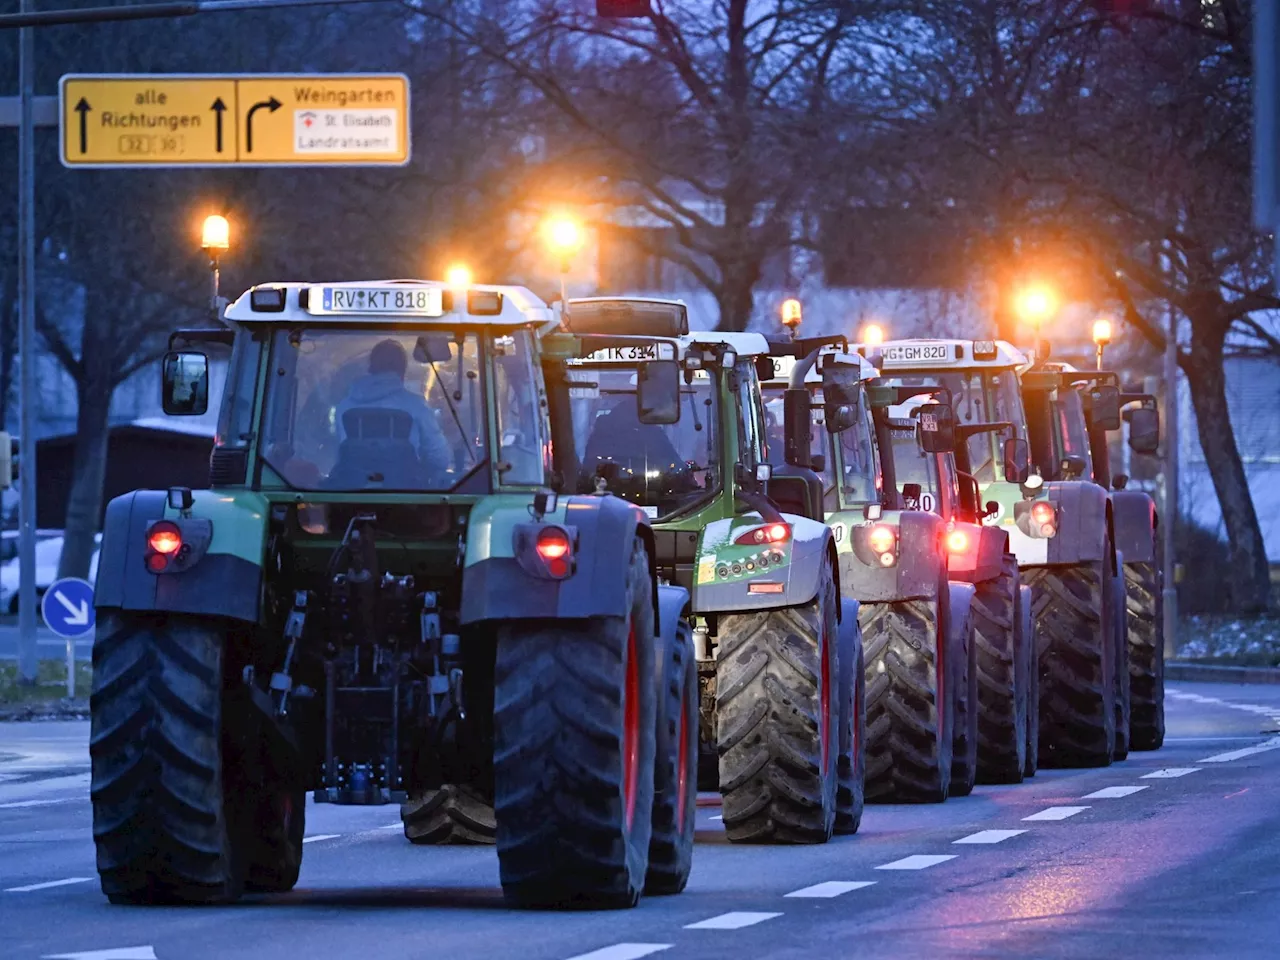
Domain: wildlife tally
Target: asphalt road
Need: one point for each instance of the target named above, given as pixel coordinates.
(1168, 854)
(49, 645)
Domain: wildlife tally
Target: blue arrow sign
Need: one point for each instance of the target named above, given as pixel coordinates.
(67, 607)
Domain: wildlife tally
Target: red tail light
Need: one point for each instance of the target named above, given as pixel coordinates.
(882, 538)
(1042, 512)
(165, 538)
(555, 549)
(957, 541)
(770, 533)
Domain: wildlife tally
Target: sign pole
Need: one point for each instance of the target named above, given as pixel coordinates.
(27, 664)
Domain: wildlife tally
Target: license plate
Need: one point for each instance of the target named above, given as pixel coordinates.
(400, 301)
(918, 352)
(633, 354)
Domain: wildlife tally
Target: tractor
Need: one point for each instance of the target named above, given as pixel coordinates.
(390, 593)
(775, 634)
(915, 621)
(1061, 532)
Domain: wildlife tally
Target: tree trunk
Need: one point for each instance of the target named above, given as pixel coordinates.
(84, 503)
(1250, 573)
(736, 294)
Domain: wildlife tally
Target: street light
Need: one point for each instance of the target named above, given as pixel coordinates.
(458, 275)
(215, 240)
(1036, 303)
(1101, 336)
(564, 236)
(872, 335)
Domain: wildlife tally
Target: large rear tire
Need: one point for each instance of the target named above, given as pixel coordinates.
(964, 746)
(851, 765)
(1002, 677)
(1077, 689)
(1031, 678)
(1121, 669)
(1145, 655)
(909, 727)
(777, 721)
(675, 775)
(449, 814)
(165, 817)
(574, 717)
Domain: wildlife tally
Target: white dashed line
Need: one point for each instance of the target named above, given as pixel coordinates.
(48, 885)
(321, 836)
(1112, 793)
(918, 861)
(731, 921)
(38, 803)
(392, 826)
(719, 816)
(1169, 773)
(989, 836)
(829, 889)
(624, 951)
(1056, 813)
(1272, 744)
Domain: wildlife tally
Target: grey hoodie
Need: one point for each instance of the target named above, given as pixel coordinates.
(386, 391)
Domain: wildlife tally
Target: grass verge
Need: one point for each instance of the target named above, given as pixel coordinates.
(48, 695)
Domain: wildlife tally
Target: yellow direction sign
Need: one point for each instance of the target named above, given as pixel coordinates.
(167, 120)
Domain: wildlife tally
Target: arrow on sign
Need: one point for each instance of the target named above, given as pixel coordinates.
(273, 105)
(83, 109)
(77, 616)
(218, 108)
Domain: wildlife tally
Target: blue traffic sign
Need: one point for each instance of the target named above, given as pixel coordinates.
(67, 607)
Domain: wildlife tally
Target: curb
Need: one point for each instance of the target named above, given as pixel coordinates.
(1211, 673)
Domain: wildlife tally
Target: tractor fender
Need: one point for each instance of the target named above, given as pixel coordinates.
(1134, 516)
(722, 578)
(961, 597)
(983, 557)
(917, 573)
(672, 603)
(1084, 524)
(496, 587)
(226, 581)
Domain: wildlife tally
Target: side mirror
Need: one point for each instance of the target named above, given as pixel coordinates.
(1016, 456)
(841, 395)
(1072, 466)
(797, 422)
(1119, 481)
(992, 508)
(818, 463)
(184, 388)
(1144, 429)
(911, 496)
(937, 428)
(658, 392)
(764, 368)
(1105, 407)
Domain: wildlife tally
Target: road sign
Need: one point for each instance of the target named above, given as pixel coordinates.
(172, 120)
(67, 607)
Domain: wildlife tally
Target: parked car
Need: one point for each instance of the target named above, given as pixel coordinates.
(48, 553)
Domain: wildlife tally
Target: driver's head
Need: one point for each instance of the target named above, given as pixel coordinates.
(388, 357)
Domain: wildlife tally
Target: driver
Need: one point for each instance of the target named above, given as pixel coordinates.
(383, 388)
(620, 437)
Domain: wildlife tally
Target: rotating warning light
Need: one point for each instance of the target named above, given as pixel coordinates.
(1102, 331)
(872, 335)
(215, 235)
(792, 312)
(1036, 303)
(458, 275)
(563, 235)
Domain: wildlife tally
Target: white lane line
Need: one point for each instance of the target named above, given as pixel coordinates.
(321, 836)
(1112, 793)
(1056, 813)
(624, 951)
(989, 836)
(1210, 739)
(1272, 744)
(48, 885)
(1169, 773)
(830, 888)
(392, 826)
(731, 921)
(38, 803)
(719, 816)
(918, 861)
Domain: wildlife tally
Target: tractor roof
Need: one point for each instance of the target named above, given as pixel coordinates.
(929, 355)
(379, 302)
(782, 367)
(743, 344)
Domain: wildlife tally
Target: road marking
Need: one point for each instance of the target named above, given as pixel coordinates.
(719, 816)
(624, 951)
(1169, 773)
(1056, 813)
(392, 826)
(1272, 744)
(38, 803)
(829, 889)
(321, 836)
(918, 861)
(1210, 739)
(48, 885)
(1112, 793)
(731, 921)
(114, 953)
(989, 836)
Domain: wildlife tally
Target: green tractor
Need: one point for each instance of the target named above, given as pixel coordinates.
(1070, 413)
(1061, 532)
(389, 593)
(776, 637)
(916, 622)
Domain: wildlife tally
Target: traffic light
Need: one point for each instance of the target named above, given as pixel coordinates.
(623, 9)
